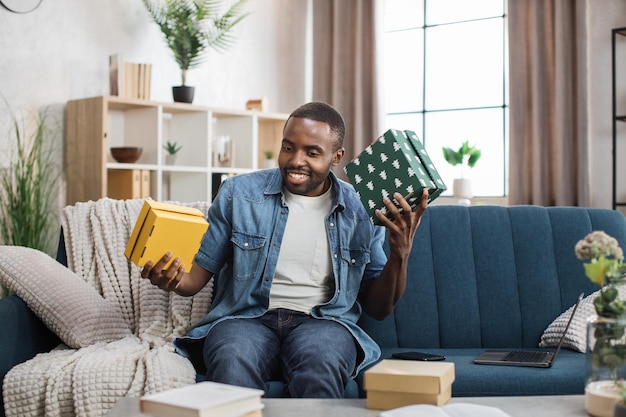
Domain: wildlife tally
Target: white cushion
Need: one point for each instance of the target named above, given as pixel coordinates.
(66, 304)
(576, 337)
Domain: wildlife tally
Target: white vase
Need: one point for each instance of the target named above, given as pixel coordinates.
(269, 163)
(462, 188)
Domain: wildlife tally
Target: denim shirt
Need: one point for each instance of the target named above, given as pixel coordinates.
(246, 225)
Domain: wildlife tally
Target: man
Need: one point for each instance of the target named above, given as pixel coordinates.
(294, 259)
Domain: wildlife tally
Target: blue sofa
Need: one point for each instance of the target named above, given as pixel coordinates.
(479, 277)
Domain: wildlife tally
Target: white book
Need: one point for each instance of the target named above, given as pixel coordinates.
(204, 399)
(448, 410)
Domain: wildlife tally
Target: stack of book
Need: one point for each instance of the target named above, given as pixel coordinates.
(204, 399)
(129, 79)
(398, 383)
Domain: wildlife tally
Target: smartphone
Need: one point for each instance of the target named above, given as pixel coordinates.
(417, 356)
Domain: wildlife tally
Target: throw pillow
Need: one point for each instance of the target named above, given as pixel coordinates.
(576, 337)
(65, 303)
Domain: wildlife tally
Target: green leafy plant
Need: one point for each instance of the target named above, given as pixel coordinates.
(192, 26)
(172, 148)
(604, 265)
(268, 154)
(28, 187)
(466, 155)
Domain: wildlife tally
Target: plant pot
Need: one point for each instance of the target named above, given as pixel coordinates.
(606, 340)
(170, 159)
(183, 93)
(269, 163)
(462, 188)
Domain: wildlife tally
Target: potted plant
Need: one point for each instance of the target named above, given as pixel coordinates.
(191, 27)
(29, 187)
(603, 261)
(466, 155)
(269, 161)
(172, 148)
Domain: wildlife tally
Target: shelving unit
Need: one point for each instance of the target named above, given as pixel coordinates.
(618, 52)
(94, 125)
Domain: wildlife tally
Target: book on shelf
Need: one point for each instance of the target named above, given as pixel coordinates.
(204, 399)
(165, 227)
(114, 75)
(129, 79)
(125, 184)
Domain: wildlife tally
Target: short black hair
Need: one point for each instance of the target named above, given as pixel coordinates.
(325, 113)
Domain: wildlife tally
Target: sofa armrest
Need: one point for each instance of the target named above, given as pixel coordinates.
(22, 334)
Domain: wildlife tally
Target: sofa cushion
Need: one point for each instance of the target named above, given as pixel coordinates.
(576, 337)
(67, 305)
(565, 377)
(491, 277)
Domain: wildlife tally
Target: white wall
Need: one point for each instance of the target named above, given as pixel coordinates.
(60, 52)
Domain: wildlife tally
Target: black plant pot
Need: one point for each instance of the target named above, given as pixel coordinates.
(183, 93)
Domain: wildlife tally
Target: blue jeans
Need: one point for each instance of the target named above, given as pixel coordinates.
(314, 357)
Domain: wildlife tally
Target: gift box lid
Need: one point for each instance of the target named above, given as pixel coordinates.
(425, 377)
(165, 227)
(395, 162)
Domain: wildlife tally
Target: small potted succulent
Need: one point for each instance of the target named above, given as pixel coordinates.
(191, 27)
(269, 161)
(467, 156)
(172, 148)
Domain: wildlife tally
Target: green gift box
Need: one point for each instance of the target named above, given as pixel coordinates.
(396, 162)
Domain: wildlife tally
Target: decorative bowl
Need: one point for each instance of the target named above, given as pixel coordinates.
(126, 154)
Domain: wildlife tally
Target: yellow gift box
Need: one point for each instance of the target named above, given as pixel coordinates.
(162, 228)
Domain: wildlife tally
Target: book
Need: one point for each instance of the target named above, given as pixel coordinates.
(204, 399)
(125, 184)
(114, 75)
(165, 227)
(129, 79)
(145, 183)
(449, 410)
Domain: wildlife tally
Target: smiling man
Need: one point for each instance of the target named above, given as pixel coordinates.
(295, 260)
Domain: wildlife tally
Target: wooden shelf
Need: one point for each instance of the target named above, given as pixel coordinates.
(94, 125)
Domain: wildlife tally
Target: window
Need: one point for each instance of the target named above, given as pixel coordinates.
(446, 78)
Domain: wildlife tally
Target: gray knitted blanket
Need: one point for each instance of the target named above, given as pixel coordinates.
(88, 381)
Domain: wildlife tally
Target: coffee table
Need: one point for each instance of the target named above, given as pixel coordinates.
(544, 406)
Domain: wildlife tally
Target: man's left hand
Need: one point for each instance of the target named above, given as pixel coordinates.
(403, 223)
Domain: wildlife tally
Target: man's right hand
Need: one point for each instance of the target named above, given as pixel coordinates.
(166, 279)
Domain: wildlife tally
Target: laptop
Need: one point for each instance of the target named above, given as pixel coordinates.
(535, 359)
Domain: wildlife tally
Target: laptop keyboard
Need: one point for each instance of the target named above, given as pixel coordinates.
(525, 356)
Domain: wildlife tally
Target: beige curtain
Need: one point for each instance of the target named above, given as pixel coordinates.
(548, 102)
(344, 68)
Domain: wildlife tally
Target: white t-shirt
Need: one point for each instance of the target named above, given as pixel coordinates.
(304, 272)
